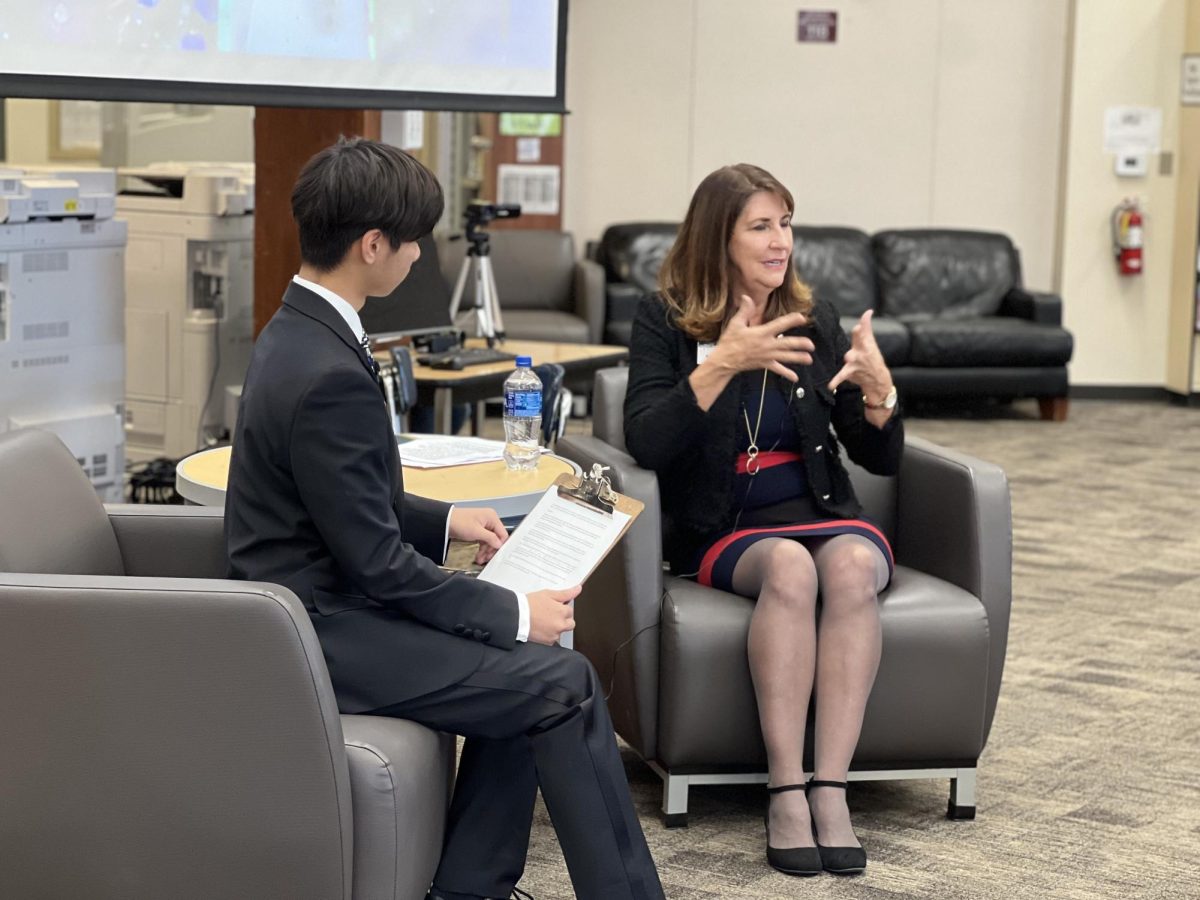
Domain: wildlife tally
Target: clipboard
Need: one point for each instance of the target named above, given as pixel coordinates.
(557, 548)
(595, 490)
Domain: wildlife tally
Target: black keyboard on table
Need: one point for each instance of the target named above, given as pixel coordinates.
(463, 357)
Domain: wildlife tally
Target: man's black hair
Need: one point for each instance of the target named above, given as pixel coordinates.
(357, 185)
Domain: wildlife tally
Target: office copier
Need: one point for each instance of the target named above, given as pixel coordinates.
(189, 301)
(62, 362)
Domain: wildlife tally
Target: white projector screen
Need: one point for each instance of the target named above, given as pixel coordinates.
(387, 54)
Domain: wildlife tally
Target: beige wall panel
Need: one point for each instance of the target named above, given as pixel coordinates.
(1183, 345)
(629, 89)
(1125, 54)
(848, 127)
(27, 131)
(925, 112)
(997, 130)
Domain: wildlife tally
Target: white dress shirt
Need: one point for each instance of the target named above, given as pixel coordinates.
(350, 315)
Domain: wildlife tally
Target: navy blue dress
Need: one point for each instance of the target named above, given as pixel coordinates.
(772, 493)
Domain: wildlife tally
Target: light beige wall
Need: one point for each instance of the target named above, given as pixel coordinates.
(27, 131)
(629, 87)
(924, 113)
(1123, 54)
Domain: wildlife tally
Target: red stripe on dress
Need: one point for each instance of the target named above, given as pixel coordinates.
(766, 459)
(704, 576)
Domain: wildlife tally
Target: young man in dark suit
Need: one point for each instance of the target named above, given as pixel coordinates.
(316, 502)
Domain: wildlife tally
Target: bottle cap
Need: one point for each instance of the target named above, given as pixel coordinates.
(524, 361)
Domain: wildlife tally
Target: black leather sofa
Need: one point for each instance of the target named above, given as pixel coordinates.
(952, 316)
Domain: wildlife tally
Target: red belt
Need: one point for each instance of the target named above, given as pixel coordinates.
(766, 459)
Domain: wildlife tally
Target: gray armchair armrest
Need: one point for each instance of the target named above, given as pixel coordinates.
(617, 614)
(954, 521)
(401, 776)
(151, 723)
(170, 541)
(1042, 308)
(589, 297)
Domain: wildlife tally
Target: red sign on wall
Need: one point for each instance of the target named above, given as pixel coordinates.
(816, 26)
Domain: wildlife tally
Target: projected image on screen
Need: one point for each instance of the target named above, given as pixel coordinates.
(504, 47)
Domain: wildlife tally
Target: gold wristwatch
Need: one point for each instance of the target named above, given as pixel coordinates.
(888, 402)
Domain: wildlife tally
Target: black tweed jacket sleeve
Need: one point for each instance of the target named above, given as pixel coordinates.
(693, 451)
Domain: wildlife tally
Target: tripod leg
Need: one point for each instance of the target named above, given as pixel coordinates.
(456, 297)
(493, 299)
(483, 318)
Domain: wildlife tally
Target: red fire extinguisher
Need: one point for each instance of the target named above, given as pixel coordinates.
(1127, 237)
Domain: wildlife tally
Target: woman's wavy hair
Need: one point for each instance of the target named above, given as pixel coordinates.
(694, 279)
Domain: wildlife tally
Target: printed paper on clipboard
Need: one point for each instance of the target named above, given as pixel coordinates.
(563, 538)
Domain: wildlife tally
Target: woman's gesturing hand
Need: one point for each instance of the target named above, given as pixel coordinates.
(744, 346)
(864, 363)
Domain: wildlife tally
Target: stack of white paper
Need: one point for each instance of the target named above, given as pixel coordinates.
(437, 451)
(556, 545)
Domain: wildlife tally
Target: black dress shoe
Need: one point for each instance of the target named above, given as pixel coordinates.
(791, 860)
(517, 894)
(839, 860)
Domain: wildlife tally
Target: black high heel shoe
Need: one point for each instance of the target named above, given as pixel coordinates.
(838, 860)
(791, 860)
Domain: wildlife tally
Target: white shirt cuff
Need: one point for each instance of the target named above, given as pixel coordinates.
(446, 540)
(522, 617)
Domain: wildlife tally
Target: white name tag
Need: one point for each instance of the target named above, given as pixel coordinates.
(702, 351)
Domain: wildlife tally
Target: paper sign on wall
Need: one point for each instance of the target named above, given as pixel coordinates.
(816, 26)
(529, 149)
(1189, 83)
(530, 124)
(536, 188)
(414, 131)
(1132, 129)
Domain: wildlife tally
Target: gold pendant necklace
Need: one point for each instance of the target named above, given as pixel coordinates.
(752, 465)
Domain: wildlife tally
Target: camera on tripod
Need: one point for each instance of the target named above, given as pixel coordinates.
(477, 266)
(478, 214)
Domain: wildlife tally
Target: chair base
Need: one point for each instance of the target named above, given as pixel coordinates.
(676, 787)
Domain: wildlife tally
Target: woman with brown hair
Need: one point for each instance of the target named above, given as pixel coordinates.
(737, 374)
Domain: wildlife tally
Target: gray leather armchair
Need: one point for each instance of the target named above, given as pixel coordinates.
(169, 733)
(545, 293)
(675, 652)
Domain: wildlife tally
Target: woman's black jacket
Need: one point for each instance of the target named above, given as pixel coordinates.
(694, 452)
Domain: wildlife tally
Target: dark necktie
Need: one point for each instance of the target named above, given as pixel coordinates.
(372, 365)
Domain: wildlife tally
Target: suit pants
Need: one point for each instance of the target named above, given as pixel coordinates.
(531, 716)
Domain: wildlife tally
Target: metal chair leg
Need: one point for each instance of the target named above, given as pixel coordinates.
(962, 795)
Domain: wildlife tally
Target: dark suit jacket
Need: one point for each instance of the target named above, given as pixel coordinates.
(694, 451)
(316, 503)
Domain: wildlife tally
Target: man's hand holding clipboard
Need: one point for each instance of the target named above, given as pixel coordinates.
(560, 542)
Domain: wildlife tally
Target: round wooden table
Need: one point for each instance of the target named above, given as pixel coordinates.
(201, 479)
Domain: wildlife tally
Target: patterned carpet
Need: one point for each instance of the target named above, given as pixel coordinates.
(1089, 785)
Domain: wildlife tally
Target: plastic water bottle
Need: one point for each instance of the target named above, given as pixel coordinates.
(522, 416)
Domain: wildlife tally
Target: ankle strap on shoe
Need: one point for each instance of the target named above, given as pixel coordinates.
(812, 783)
(787, 787)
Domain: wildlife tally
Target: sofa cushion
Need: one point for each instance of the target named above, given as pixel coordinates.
(952, 274)
(988, 341)
(617, 332)
(837, 264)
(891, 336)
(548, 325)
(633, 252)
(534, 269)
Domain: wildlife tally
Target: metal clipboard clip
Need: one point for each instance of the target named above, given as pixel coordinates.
(594, 490)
